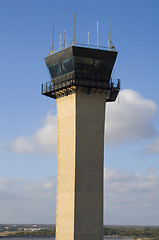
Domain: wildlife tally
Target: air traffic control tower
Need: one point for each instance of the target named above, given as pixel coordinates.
(81, 84)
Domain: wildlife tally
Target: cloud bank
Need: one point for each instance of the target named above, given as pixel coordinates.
(43, 141)
(27, 201)
(130, 198)
(130, 118)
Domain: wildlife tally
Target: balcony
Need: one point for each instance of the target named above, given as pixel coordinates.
(70, 82)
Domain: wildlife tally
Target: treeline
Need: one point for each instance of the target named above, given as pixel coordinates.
(151, 233)
(41, 233)
(136, 232)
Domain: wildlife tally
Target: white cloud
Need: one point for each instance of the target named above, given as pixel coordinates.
(131, 182)
(130, 118)
(28, 201)
(43, 141)
(130, 198)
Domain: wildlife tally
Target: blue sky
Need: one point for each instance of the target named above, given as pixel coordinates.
(28, 120)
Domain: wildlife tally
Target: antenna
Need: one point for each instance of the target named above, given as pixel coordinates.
(88, 38)
(60, 40)
(52, 39)
(64, 39)
(74, 30)
(51, 50)
(110, 31)
(107, 40)
(97, 33)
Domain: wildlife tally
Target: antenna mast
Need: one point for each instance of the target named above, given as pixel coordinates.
(53, 39)
(64, 44)
(74, 30)
(52, 47)
(60, 40)
(88, 39)
(107, 40)
(110, 31)
(97, 34)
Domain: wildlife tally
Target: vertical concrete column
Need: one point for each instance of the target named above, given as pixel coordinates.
(81, 119)
(90, 120)
(66, 123)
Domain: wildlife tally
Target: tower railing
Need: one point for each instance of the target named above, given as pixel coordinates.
(80, 79)
(111, 48)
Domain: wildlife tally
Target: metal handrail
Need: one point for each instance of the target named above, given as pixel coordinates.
(74, 80)
(82, 45)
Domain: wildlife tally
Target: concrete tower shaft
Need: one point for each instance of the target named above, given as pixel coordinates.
(80, 120)
(81, 84)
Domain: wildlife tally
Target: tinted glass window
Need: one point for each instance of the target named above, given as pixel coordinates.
(83, 64)
(91, 65)
(61, 68)
(55, 70)
(100, 66)
(67, 65)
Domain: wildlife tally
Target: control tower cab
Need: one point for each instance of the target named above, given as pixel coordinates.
(82, 67)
